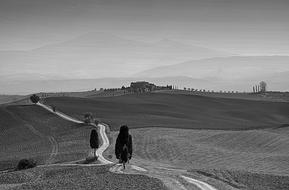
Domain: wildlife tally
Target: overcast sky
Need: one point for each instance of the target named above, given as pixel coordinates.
(250, 27)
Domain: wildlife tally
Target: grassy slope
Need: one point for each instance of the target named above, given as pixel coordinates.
(9, 98)
(26, 131)
(179, 111)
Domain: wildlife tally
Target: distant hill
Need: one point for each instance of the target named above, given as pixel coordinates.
(35, 86)
(223, 68)
(277, 82)
(230, 73)
(96, 55)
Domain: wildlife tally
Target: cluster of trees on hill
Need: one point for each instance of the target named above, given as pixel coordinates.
(143, 86)
(139, 87)
(34, 98)
(261, 87)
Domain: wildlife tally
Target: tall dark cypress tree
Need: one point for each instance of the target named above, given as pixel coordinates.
(94, 139)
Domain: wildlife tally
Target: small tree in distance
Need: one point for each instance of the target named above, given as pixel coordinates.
(54, 108)
(263, 86)
(34, 98)
(88, 118)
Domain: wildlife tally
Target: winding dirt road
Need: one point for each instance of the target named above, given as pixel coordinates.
(170, 179)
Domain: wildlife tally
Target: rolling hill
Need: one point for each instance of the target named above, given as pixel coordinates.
(28, 131)
(177, 111)
(245, 147)
(233, 142)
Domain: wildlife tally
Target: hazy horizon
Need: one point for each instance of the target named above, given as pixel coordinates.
(246, 27)
(70, 39)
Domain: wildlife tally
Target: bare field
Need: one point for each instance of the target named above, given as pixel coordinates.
(241, 179)
(257, 150)
(28, 131)
(177, 111)
(255, 159)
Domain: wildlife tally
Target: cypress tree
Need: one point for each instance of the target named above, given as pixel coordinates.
(94, 139)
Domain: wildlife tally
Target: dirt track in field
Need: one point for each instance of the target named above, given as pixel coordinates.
(170, 179)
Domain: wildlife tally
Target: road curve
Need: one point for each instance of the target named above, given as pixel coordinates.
(200, 184)
(104, 146)
(105, 141)
(60, 114)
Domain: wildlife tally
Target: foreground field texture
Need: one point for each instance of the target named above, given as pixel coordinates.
(177, 111)
(95, 177)
(256, 150)
(253, 159)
